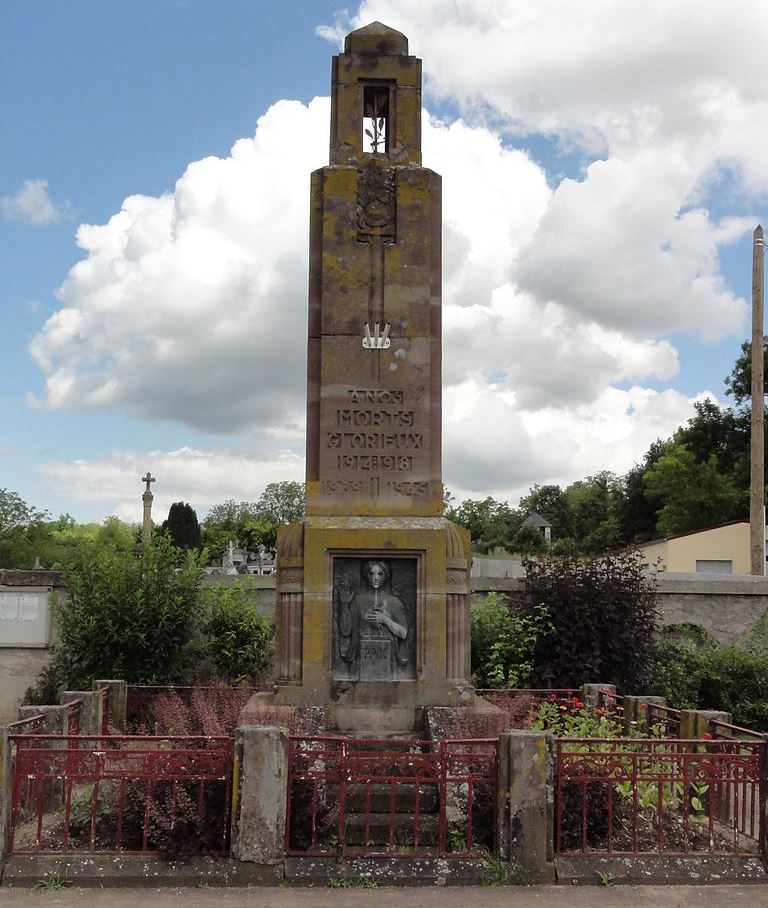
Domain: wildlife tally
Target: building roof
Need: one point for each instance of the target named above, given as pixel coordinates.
(536, 520)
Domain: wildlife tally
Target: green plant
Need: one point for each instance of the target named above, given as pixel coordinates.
(495, 873)
(457, 836)
(606, 877)
(53, 881)
(503, 642)
(127, 616)
(238, 638)
(353, 882)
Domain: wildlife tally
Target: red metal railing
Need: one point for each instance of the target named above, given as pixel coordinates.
(120, 793)
(31, 725)
(74, 710)
(390, 798)
(664, 718)
(659, 796)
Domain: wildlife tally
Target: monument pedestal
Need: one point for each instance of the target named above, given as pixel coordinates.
(324, 660)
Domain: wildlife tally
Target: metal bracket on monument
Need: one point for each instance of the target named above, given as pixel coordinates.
(377, 340)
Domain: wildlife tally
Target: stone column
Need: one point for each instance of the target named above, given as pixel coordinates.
(259, 796)
(593, 694)
(526, 803)
(118, 700)
(90, 711)
(695, 722)
(636, 710)
(146, 526)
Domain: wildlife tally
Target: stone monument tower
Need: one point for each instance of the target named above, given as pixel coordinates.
(373, 583)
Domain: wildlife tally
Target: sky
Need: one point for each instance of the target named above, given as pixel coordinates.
(604, 165)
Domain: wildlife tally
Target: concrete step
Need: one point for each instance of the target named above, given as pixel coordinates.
(378, 830)
(405, 798)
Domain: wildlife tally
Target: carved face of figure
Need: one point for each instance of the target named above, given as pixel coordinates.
(376, 574)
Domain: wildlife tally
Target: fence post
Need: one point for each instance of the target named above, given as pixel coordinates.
(90, 711)
(5, 791)
(593, 694)
(636, 710)
(54, 717)
(259, 796)
(526, 776)
(118, 700)
(694, 723)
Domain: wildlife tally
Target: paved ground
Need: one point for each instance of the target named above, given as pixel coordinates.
(755, 896)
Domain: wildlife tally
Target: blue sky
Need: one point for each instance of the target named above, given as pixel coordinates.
(601, 184)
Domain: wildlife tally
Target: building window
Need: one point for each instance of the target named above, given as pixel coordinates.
(713, 566)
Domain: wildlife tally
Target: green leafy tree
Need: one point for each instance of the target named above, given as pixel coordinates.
(552, 503)
(281, 502)
(594, 504)
(126, 616)
(695, 494)
(227, 522)
(24, 531)
(490, 523)
(738, 384)
(182, 526)
(638, 507)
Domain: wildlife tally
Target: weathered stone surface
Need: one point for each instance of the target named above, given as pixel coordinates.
(259, 804)
(526, 790)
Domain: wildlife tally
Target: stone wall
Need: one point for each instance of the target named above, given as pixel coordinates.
(727, 606)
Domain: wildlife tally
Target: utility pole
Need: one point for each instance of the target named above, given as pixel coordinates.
(757, 446)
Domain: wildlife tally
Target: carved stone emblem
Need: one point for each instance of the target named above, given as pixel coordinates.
(376, 203)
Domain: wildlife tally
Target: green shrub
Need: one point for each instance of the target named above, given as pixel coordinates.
(708, 676)
(127, 616)
(237, 637)
(503, 642)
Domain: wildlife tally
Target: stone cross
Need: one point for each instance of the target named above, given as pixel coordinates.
(146, 528)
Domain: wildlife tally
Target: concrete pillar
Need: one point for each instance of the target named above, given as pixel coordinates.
(90, 712)
(593, 694)
(259, 794)
(694, 723)
(526, 809)
(636, 710)
(118, 700)
(53, 717)
(5, 791)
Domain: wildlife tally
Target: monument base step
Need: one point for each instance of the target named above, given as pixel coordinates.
(380, 798)
(376, 832)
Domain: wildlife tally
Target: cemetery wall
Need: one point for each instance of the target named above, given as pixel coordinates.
(727, 606)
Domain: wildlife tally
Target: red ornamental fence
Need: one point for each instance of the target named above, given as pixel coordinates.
(392, 798)
(132, 794)
(659, 796)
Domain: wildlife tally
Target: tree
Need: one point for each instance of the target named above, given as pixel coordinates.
(226, 523)
(182, 526)
(490, 523)
(738, 384)
(594, 504)
(551, 503)
(24, 531)
(695, 494)
(638, 508)
(281, 503)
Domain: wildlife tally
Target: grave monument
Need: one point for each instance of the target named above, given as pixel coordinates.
(373, 583)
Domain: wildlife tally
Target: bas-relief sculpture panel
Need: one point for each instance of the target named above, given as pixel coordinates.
(374, 619)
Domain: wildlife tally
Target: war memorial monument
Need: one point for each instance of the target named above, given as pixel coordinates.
(372, 585)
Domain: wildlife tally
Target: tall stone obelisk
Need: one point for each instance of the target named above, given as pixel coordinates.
(146, 499)
(373, 583)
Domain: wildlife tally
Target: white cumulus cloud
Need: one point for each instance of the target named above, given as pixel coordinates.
(31, 205)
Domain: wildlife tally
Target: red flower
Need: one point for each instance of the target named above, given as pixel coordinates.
(599, 712)
(553, 696)
(643, 706)
(707, 736)
(577, 703)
